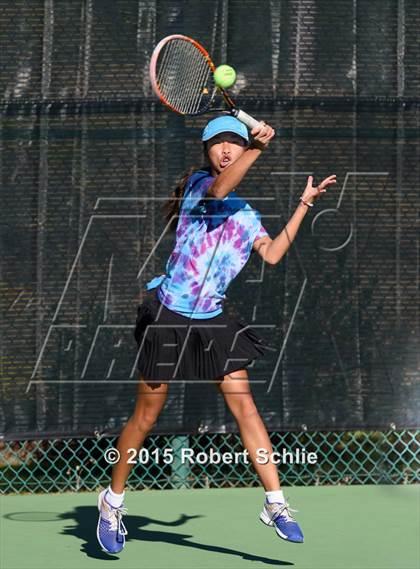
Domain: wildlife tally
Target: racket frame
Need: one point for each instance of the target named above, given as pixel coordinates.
(249, 121)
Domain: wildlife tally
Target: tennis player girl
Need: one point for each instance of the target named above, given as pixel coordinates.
(216, 231)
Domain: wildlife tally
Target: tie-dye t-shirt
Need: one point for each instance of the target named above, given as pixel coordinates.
(214, 240)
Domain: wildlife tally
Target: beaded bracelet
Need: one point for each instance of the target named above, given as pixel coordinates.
(306, 203)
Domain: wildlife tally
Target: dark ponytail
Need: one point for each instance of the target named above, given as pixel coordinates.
(173, 205)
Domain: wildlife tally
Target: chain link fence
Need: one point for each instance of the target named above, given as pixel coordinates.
(213, 460)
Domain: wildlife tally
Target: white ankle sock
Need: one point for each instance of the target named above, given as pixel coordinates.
(113, 498)
(275, 496)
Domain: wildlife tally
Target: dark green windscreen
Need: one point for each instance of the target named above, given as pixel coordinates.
(88, 157)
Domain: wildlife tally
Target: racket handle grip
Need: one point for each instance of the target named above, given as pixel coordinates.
(245, 118)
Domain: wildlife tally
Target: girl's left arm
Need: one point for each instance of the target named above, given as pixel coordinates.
(280, 245)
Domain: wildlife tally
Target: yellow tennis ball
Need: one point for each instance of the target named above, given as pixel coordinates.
(225, 76)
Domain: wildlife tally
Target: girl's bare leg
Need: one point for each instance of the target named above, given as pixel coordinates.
(151, 398)
(238, 397)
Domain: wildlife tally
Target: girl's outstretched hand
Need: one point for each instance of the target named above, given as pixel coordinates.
(312, 193)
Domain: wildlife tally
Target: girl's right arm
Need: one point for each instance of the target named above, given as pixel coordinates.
(227, 180)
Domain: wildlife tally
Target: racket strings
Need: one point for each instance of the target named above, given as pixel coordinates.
(187, 60)
(192, 85)
(163, 69)
(201, 84)
(184, 77)
(164, 62)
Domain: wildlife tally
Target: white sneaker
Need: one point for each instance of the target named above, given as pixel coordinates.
(110, 530)
(278, 515)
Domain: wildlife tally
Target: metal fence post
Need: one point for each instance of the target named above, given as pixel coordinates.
(180, 468)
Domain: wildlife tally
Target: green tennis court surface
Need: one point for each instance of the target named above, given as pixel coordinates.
(351, 527)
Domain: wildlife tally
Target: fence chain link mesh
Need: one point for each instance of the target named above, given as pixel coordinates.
(348, 457)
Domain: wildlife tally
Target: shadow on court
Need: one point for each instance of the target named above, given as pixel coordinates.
(86, 518)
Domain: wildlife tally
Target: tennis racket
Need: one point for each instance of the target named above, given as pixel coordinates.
(182, 76)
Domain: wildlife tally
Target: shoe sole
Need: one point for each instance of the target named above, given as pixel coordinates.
(268, 522)
(97, 529)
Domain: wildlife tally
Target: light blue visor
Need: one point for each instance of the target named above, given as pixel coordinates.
(224, 124)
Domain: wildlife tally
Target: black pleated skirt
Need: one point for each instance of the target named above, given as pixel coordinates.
(172, 347)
